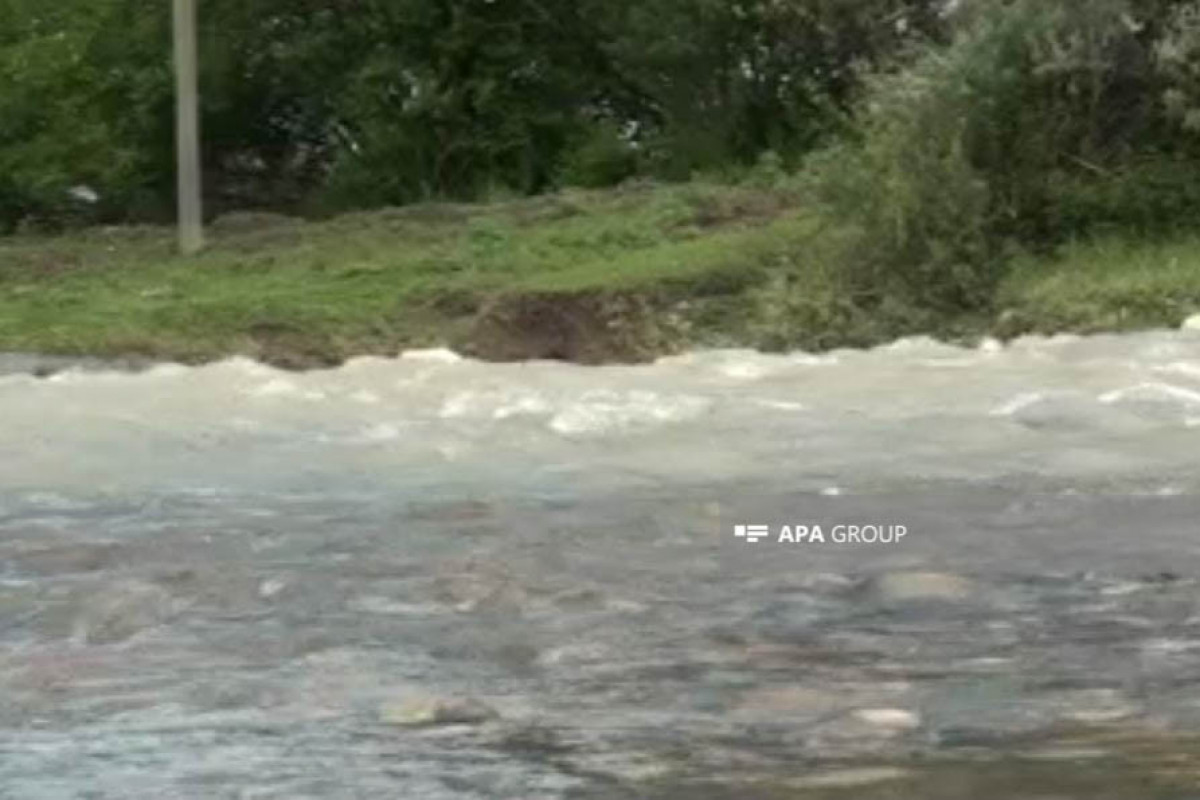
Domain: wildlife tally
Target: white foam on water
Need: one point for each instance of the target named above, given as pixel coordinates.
(779, 405)
(438, 355)
(1064, 338)
(1086, 405)
(1190, 369)
(283, 388)
(248, 366)
(383, 432)
(494, 404)
(990, 345)
(367, 398)
(527, 405)
(166, 371)
(949, 363)
(1018, 404)
(69, 376)
(605, 412)
(745, 370)
(1152, 391)
(811, 360)
(1192, 323)
(366, 364)
(737, 365)
(275, 388)
(912, 343)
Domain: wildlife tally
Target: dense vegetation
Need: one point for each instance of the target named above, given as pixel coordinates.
(585, 275)
(325, 104)
(1040, 123)
(919, 158)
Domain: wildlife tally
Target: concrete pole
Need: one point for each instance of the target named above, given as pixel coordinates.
(187, 129)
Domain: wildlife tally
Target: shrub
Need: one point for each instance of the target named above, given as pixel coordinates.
(908, 186)
(1178, 55)
(1038, 122)
(1146, 196)
(604, 157)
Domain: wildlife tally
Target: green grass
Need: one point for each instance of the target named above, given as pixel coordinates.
(707, 264)
(1107, 284)
(374, 281)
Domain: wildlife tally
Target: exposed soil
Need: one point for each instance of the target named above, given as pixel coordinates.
(581, 327)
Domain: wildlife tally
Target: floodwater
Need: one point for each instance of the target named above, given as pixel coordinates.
(429, 577)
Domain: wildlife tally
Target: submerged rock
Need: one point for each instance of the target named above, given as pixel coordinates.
(122, 610)
(901, 587)
(424, 712)
(852, 777)
(790, 701)
(67, 558)
(475, 585)
(892, 719)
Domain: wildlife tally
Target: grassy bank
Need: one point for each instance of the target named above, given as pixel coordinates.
(587, 276)
(1107, 284)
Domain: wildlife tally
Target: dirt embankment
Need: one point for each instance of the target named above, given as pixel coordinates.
(590, 327)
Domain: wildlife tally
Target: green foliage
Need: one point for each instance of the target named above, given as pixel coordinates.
(1104, 283)
(604, 157)
(951, 140)
(1178, 55)
(450, 100)
(80, 94)
(332, 104)
(1148, 196)
(769, 171)
(909, 188)
(725, 81)
(1038, 122)
(374, 281)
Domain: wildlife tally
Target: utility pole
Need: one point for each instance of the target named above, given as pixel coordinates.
(187, 129)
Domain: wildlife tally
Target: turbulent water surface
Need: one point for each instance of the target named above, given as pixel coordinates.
(435, 578)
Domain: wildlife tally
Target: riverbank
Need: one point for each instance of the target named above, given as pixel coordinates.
(591, 277)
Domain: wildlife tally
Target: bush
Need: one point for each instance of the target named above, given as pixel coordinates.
(381, 167)
(1147, 196)
(1038, 122)
(726, 82)
(603, 158)
(86, 101)
(1178, 55)
(908, 186)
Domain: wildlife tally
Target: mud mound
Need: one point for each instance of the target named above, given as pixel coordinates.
(581, 327)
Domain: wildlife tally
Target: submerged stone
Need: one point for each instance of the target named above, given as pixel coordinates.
(893, 719)
(424, 712)
(849, 778)
(121, 610)
(917, 586)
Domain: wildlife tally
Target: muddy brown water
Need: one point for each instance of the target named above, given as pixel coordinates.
(434, 578)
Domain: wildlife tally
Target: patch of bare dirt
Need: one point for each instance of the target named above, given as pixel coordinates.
(580, 327)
